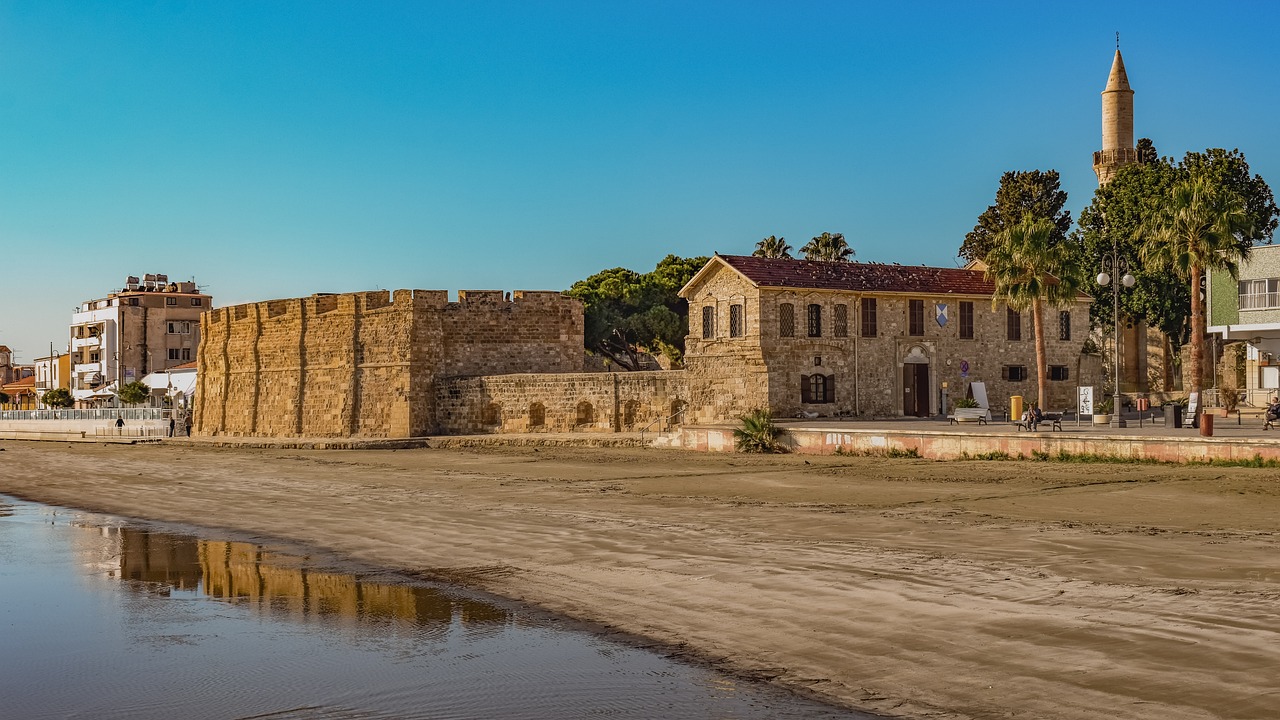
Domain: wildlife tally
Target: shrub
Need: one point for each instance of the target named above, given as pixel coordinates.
(757, 434)
(965, 402)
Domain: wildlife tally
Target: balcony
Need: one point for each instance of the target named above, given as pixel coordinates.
(92, 341)
(1259, 301)
(82, 368)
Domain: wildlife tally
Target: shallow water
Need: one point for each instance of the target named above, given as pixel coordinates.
(103, 619)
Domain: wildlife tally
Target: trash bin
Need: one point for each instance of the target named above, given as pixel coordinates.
(1015, 407)
(1173, 415)
(1206, 424)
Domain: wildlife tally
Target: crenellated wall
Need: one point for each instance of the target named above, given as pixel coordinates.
(365, 364)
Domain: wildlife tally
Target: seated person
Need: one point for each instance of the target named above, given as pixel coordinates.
(1273, 410)
(1029, 418)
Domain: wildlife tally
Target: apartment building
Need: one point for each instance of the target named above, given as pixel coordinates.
(150, 325)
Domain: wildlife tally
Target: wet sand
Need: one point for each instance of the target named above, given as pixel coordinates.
(903, 587)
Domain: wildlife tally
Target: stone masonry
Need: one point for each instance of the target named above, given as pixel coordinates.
(761, 360)
(367, 364)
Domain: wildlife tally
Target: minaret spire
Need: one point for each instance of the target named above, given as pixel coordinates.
(1117, 122)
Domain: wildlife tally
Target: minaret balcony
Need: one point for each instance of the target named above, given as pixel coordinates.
(1116, 156)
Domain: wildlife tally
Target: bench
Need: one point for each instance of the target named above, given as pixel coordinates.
(1054, 420)
(966, 414)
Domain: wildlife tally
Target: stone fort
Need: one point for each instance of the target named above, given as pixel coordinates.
(411, 363)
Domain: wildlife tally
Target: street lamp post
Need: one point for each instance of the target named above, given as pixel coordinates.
(1113, 263)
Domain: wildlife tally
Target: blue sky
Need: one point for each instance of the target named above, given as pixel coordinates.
(276, 149)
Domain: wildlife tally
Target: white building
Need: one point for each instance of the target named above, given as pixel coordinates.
(148, 326)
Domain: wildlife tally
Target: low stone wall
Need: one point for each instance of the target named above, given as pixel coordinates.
(560, 402)
(943, 445)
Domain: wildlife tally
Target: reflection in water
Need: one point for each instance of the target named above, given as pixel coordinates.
(281, 585)
(106, 621)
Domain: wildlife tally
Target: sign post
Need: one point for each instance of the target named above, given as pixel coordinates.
(1084, 403)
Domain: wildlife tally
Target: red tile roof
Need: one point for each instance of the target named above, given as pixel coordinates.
(857, 276)
(185, 366)
(26, 382)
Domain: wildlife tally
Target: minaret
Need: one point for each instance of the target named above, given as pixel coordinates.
(1117, 124)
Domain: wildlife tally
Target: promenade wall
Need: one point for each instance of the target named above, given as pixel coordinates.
(953, 445)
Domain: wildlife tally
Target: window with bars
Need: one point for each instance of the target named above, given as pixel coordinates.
(868, 317)
(786, 320)
(915, 317)
(817, 389)
(708, 322)
(1059, 372)
(735, 321)
(1064, 325)
(815, 320)
(966, 320)
(840, 321)
(1013, 324)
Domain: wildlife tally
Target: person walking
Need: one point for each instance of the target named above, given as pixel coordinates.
(188, 424)
(172, 424)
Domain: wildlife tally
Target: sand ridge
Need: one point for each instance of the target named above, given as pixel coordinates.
(903, 587)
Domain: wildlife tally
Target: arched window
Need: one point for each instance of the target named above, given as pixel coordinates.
(677, 412)
(491, 415)
(817, 388)
(537, 415)
(586, 414)
(786, 320)
(629, 411)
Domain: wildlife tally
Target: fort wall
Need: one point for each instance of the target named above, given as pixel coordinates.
(365, 364)
(562, 402)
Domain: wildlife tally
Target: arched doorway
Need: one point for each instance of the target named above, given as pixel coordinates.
(915, 383)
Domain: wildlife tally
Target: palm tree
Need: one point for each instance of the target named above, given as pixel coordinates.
(1029, 271)
(1197, 229)
(828, 247)
(773, 247)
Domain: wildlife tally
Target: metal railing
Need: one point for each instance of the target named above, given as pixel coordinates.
(145, 413)
(136, 431)
(668, 420)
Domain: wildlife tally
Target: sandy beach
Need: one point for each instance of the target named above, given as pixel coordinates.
(902, 587)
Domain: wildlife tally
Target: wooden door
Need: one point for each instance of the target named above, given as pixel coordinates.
(915, 390)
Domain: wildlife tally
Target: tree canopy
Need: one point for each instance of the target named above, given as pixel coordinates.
(828, 247)
(1139, 192)
(133, 393)
(1035, 192)
(627, 313)
(773, 247)
(58, 398)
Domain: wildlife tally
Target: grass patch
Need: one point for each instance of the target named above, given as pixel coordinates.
(880, 452)
(1062, 456)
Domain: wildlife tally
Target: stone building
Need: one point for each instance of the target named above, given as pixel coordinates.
(148, 326)
(843, 338)
(407, 364)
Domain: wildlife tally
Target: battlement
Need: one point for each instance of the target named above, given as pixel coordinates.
(358, 364)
